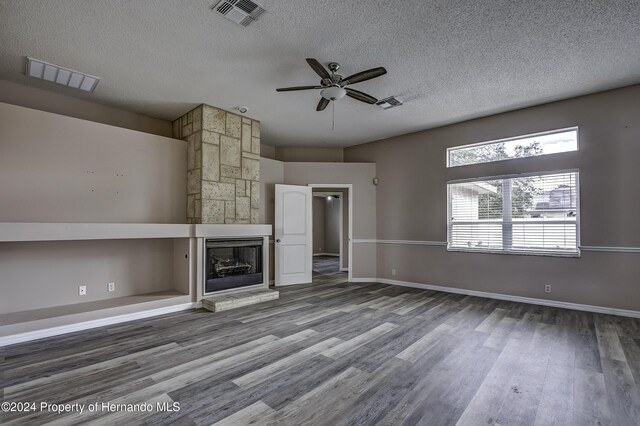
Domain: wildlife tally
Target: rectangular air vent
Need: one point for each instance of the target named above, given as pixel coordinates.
(242, 12)
(390, 102)
(60, 75)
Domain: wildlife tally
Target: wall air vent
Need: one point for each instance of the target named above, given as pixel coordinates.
(388, 103)
(242, 12)
(61, 75)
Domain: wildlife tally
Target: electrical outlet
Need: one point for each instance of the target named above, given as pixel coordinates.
(547, 288)
(393, 272)
(82, 290)
(111, 287)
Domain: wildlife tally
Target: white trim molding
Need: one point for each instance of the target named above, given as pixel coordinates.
(364, 280)
(86, 325)
(402, 242)
(414, 242)
(611, 249)
(349, 236)
(508, 297)
(605, 249)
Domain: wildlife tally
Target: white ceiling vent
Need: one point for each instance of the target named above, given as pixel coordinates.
(60, 75)
(242, 12)
(390, 102)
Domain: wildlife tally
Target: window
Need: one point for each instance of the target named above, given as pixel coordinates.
(534, 214)
(520, 147)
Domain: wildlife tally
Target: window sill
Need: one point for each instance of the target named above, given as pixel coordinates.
(575, 254)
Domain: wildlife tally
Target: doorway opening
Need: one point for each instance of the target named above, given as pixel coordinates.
(332, 215)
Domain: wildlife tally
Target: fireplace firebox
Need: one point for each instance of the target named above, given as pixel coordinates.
(232, 264)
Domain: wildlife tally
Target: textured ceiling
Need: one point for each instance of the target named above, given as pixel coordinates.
(449, 60)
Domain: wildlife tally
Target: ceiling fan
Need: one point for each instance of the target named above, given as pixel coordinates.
(333, 86)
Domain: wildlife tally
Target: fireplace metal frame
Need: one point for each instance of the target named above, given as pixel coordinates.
(205, 262)
(229, 232)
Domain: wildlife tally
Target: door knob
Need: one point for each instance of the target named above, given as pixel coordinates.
(278, 240)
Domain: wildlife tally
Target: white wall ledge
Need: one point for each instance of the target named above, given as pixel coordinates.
(231, 230)
(27, 231)
(36, 231)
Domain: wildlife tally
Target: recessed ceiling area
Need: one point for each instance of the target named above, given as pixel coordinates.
(448, 61)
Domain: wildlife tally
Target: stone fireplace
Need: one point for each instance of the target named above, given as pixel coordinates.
(223, 164)
(223, 199)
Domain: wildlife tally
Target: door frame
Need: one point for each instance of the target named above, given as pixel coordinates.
(349, 188)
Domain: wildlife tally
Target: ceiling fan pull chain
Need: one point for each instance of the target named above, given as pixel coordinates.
(333, 116)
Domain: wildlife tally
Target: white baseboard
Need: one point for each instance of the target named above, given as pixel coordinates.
(86, 325)
(344, 269)
(508, 297)
(327, 254)
(290, 284)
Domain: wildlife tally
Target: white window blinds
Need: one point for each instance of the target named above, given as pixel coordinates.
(536, 214)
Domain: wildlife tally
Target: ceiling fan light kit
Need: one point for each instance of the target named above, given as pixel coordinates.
(333, 86)
(333, 93)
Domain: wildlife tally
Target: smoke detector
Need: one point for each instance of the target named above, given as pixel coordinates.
(242, 12)
(37, 68)
(388, 103)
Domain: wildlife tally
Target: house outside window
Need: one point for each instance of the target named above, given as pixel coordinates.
(553, 142)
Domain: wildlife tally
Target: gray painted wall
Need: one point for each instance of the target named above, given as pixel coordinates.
(308, 154)
(271, 173)
(319, 230)
(345, 229)
(44, 100)
(360, 176)
(55, 168)
(326, 225)
(364, 200)
(332, 226)
(412, 205)
(37, 275)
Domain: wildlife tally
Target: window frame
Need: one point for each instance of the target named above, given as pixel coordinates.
(551, 253)
(509, 139)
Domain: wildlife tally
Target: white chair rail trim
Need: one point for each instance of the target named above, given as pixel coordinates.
(607, 249)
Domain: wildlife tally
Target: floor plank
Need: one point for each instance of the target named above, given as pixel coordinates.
(341, 354)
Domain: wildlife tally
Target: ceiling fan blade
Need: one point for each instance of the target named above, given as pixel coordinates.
(318, 68)
(290, 89)
(322, 104)
(361, 96)
(365, 75)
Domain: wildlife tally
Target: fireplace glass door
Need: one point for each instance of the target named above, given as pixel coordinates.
(232, 264)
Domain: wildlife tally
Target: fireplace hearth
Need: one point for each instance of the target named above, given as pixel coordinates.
(232, 263)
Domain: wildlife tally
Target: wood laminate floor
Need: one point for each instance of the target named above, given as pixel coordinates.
(326, 264)
(333, 353)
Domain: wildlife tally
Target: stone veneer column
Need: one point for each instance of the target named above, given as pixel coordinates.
(223, 165)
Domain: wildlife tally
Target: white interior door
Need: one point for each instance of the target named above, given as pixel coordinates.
(293, 235)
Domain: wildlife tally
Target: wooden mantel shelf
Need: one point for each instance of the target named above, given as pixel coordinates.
(231, 230)
(26, 231)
